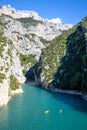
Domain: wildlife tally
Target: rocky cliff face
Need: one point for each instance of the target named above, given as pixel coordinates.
(72, 74)
(8, 10)
(34, 74)
(23, 35)
(10, 69)
(65, 60)
(34, 23)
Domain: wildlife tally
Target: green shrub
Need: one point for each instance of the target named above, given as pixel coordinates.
(14, 84)
(2, 76)
(25, 59)
(44, 41)
(29, 21)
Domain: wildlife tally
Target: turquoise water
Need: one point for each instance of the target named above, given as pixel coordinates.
(38, 109)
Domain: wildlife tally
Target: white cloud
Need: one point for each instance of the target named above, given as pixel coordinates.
(55, 20)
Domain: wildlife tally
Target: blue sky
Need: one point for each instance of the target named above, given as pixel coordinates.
(70, 11)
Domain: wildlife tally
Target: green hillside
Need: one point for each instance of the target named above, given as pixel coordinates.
(65, 59)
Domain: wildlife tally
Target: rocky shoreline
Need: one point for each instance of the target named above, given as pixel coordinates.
(5, 98)
(74, 92)
(17, 91)
(56, 90)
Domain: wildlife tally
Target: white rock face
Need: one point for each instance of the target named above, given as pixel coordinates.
(4, 85)
(15, 31)
(9, 64)
(8, 10)
(25, 40)
(4, 91)
(48, 29)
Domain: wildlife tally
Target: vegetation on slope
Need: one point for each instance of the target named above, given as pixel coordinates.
(72, 74)
(29, 21)
(52, 55)
(14, 84)
(44, 41)
(27, 61)
(2, 38)
(67, 71)
(2, 76)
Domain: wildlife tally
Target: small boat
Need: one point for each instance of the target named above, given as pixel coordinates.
(46, 112)
(60, 111)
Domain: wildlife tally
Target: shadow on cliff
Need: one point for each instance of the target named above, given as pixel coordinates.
(30, 75)
(34, 73)
(69, 73)
(74, 101)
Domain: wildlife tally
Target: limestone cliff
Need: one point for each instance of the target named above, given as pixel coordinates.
(23, 35)
(10, 66)
(34, 73)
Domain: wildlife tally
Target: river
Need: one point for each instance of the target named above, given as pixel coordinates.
(38, 109)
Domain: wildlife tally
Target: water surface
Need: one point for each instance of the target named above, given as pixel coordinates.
(38, 109)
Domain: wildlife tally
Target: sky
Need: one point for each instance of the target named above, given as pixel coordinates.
(69, 11)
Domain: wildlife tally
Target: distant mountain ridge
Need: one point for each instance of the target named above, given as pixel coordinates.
(8, 10)
(45, 28)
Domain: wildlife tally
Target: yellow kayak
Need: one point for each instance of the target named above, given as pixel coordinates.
(47, 111)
